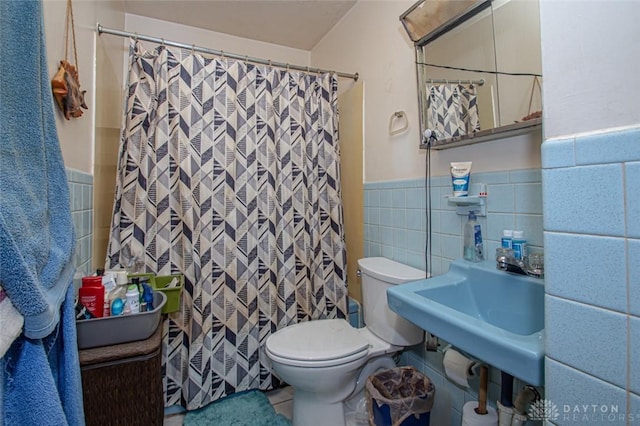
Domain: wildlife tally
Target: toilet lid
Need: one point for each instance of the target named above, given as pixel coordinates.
(318, 340)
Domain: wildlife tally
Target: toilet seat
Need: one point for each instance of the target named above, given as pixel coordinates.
(320, 343)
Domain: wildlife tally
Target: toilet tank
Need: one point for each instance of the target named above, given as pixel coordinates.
(379, 274)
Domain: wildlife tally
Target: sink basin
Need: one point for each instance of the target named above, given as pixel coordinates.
(494, 316)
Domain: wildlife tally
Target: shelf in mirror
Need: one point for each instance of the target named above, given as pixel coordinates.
(488, 135)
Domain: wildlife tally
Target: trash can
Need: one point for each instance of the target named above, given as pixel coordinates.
(400, 396)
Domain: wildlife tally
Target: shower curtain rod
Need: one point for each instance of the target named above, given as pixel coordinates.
(100, 29)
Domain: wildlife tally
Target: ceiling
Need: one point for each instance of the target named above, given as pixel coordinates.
(299, 24)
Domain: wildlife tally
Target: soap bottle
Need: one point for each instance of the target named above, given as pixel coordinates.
(507, 239)
(519, 245)
(473, 247)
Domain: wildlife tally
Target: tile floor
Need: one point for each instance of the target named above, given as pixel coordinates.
(281, 399)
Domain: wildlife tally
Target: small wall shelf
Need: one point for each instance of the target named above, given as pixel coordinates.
(488, 135)
(471, 203)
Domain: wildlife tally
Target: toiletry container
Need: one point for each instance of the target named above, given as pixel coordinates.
(91, 295)
(473, 247)
(133, 299)
(507, 238)
(519, 245)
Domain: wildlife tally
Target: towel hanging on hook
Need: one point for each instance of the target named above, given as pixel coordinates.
(398, 115)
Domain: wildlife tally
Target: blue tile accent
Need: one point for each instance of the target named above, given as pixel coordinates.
(399, 218)
(531, 225)
(373, 215)
(400, 238)
(405, 240)
(496, 223)
(558, 153)
(571, 390)
(386, 235)
(415, 220)
(632, 187)
(585, 199)
(451, 223)
(501, 198)
(633, 254)
(451, 247)
(416, 260)
(416, 241)
(529, 198)
(600, 279)
(354, 313)
(386, 217)
(374, 198)
(399, 199)
(585, 337)
(487, 177)
(634, 361)
(525, 176)
(610, 147)
(415, 198)
(400, 255)
(386, 198)
(81, 203)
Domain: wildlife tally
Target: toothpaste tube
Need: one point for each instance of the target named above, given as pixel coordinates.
(460, 178)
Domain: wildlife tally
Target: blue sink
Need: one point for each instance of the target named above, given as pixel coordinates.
(494, 316)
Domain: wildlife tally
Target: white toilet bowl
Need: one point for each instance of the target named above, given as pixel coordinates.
(328, 361)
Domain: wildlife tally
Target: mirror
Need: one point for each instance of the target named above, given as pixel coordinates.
(494, 46)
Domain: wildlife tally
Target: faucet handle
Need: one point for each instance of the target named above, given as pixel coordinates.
(536, 261)
(503, 252)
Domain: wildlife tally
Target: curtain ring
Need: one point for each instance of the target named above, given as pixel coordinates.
(222, 54)
(193, 48)
(135, 36)
(246, 58)
(163, 45)
(288, 67)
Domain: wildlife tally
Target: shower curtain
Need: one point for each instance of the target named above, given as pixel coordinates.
(229, 174)
(452, 109)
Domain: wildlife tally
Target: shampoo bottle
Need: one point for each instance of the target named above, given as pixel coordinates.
(473, 247)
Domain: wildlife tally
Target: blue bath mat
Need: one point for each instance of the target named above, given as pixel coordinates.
(250, 408)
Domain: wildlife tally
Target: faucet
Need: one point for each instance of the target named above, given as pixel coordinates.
(532, 265)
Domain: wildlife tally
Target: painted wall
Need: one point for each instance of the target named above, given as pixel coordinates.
(370, 40)
(591, 168)
(215, 40)
(77, 135)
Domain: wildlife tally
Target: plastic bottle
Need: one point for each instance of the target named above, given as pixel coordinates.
(519, 245)
(133, 300)
(507, 238)
(91, 295)
(473, 247)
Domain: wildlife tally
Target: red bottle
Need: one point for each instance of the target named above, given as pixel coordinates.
(91, 295)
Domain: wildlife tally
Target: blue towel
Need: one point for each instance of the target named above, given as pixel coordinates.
(42, 382)
(36, 229)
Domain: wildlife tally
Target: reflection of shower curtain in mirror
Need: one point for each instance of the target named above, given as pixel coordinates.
(452, 109)
(229, 174)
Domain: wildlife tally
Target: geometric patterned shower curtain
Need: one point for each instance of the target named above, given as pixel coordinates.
(228, 173)
(452, 109)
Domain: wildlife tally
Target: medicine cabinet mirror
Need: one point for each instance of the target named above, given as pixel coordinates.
(494, 45)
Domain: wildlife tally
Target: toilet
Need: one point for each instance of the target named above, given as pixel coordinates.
(327, 361)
